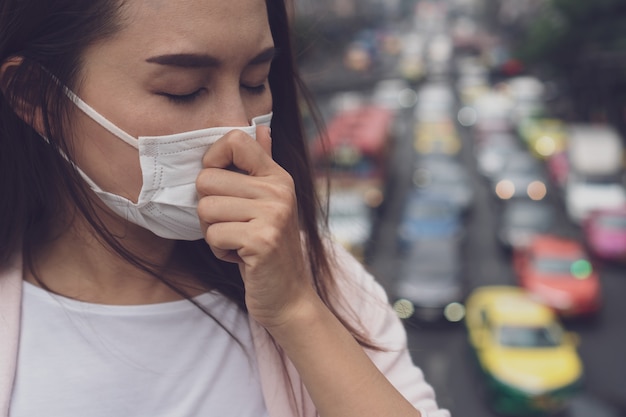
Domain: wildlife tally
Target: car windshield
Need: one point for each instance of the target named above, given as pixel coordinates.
(450, 177)
(522, 166)
(529, 215)
(530, 337)
(556, 265)
(614, 222)
(430, 211)
(599, 180)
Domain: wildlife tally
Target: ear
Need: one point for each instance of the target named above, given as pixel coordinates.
(22, 106)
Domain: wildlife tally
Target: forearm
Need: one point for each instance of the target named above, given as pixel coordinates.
(338, 374)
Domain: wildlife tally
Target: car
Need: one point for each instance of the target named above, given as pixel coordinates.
(595, 154)
(427, 217)
(411, 60)
(527, 93)
(530, 364)
(521, 220)
(523, 176)
(544, 136)
(472, 80)
(493, 111)
(582, 195)
(350, 220)
(411, 67)
(430, 287)
(440, 163)
(435, 102)
(393, 94)
(605, 233)
(558, 169)
(437, 138)
(444, 177)
(494, 152)
(557, 271)
(354, 150)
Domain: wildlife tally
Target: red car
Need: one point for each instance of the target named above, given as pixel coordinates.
(557, 271)
(605, 233)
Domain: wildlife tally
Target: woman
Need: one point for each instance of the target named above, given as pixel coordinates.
(146, 271)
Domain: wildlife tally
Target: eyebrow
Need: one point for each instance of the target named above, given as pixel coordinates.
(203, 61)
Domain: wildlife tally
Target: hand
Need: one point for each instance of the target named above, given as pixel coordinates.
(250, 217)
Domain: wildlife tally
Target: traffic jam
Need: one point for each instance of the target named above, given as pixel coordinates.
(474, 147)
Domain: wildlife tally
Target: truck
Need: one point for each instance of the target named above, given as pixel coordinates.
(595, 154)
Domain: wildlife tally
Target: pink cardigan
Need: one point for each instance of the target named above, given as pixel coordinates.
(285, 395)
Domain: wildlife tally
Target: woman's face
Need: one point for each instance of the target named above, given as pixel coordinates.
(175, 66)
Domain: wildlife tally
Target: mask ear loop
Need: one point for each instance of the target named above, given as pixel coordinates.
(100, 119)
(94, 115)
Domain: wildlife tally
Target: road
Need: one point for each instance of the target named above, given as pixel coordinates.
(443, 352)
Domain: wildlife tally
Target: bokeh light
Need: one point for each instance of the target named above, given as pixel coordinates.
(537, 190)
(505, 189)
(581, 269)
(407, 98)
(467, 116)
(454, 312)
(545, 146)
(404, 308)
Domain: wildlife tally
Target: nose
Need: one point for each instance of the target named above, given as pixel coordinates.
(231, 108)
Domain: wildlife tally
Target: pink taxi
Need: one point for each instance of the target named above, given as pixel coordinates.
(605, 233)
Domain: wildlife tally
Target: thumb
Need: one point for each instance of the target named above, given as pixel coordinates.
(263, 136)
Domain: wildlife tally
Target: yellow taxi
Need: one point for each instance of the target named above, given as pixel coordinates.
(437, 137)
(544, 136)
(530, 363)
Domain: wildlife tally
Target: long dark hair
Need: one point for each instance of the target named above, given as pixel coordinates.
(35, 179)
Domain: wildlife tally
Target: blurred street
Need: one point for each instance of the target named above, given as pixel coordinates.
(438, 37)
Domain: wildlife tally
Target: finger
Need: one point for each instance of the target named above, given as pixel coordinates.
(216, 209)
(239, 149)
(264, 138)
(226, 255)
(225, 240)
(226, 236)
(223, 182)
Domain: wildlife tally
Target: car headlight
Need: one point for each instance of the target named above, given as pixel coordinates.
(505, 189)
(536, 190)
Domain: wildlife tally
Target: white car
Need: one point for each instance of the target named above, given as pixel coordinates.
(394, 94)
(435, 102)
(350, 220)
(583, 197)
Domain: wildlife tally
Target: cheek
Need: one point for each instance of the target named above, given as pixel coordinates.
(111, 163)
(263, 105)
(154, 117)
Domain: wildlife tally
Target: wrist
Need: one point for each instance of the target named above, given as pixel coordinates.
(298, 319)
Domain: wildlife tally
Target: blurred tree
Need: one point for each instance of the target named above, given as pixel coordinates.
(583, 44)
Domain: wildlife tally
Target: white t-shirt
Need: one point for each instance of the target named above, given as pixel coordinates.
(79, 359)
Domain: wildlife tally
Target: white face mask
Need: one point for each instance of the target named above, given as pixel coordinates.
(168, 201)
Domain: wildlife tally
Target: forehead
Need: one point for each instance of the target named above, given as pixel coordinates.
(216, 26)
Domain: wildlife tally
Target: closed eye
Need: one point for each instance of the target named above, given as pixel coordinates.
(255, 89)
(182, 98)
